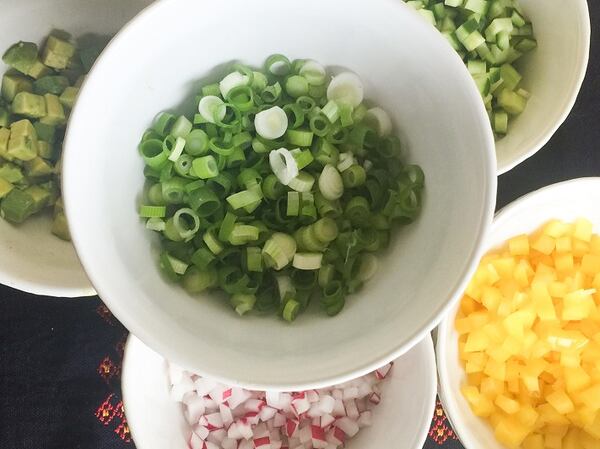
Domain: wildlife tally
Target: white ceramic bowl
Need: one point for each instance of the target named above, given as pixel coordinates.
(401, 420)
(31, 258)
(567, 201)
(553, 73)
(434, 104)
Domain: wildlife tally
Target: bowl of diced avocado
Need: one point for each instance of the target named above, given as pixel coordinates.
(47, 50)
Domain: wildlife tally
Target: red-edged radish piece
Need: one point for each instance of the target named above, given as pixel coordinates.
(229, 443)
(365, 419)
(382, 372)
(234, 432)
(273, 399)
(350, 393)
(254, 405)
(338, 409)
(279, 420)
(291, 427)
(262, 443)
(349, 426)
(326, 403)
(336, 436)
(300, 405)
(196, 442)
(267, 413)
(201, 431)
(251, 418)
(351, 409)
(246, 444)
(216, 436)
(217, 394)
(375, 398)
(276, 444)
(337, 394)
(312, 396)
(226, 415)
(245, 428)
(327, 420)
(204, 386)
(305, 434)
(238, 397)
(194, 410)
(318, 437)
(314, 411)
(180, 389)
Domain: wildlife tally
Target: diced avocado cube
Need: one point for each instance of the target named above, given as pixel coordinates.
(13, 84)
(88, 56)
(39, 70)
(68, 97)
(4, 137)
(4, 117)
(52, 187)
(30, 105)
(45, 132)
(17, 206)
(55, 114)
(48, 151)
(11, 173)
(21, 56)
(60, 227)
(40, 195)
(54, 84)
(5, 187)
(57, 53)
(38, 168)
(22, 144)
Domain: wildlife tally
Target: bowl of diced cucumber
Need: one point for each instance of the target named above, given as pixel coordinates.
(527, 72)
(47, 48)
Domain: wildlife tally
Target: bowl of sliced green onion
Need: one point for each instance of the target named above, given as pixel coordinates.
(264, 208)
(47, 48)
(528, 74)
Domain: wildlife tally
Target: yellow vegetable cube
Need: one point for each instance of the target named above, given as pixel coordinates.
(462, 325)
(480, 405)
(557, 289)
(491, 298)
(495, 332)
(534, 441)
(580, 247)
(563, 244)
(578, 305)
(561, 402)
(557, 228)
(475, 362)
(571, 439)
(542, 301)
(552, 441)
(527, 416)
(589, 442)
(543, 244)
(591, 398)
(576, 378)
(508, 405)
(593, 429)
(595, 245)
(523, 273)
(550, 416)
(491, 387)
(590, 264)
(477, 341)
(564, 262)
(519, 245)
(583, 230)
(504, 266)
(494, 369)
(511, 432)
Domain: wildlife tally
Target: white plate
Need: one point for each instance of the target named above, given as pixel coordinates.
(31, 258)
(566, 201)
(400, 421)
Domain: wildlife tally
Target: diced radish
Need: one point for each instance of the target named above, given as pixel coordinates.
(279, 420)
(246, 430)
(300, 405)
(234, 432)
(285, 399)
(194, 410)
(262, 443)
(267, 413)
(201, 431)
(261, 431)
(190, 396)
(238, 397)
(331, 446)
(365, 419)
(196, 442)
(314, 411)
(212, 421)
(362, 404)
(251, 418)
(218, 394)
(254, 405)
(338, 409)
(326, 403)
(364, 389)
(293, 442)
(327, 420)
(180, 389)
(203, 385)
(210, 405)
(226, 415)
(291, 427)
(312, 396)
(349, 426)
(375, 398)
(350, 393)
(216, 436)
(246, 444)
(305, 434)
(383, 371)
(336, 436)
(276, 444)
(351, 409)
(229, 443)
(273, 399)
(337, 393)
(318, 437)
(275, 435)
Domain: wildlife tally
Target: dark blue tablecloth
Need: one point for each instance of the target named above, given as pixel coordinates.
(60, 359)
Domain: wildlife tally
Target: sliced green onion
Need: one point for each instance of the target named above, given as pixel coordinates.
(242, 234)
(346, 88)
(153, 211)
(182, 127)
(227, 226)
(326, 230)
(231, 81)
(295, 115)
(278, 65)
(357, 211)
(271, 123)
(346, 116)
(212, 243)
(272, 188)
(279, 250)
(293, 204)
(242, 303)
(313, 72)
(196, 143)
(173, 190)
(306, 103)
(296, 86)
(221, 184)
(303, 157)
(303, 182)
(197, 281)
(203, 258)
(204, 201)
(155, 224)
(368, 267)
(211, 89)
(307, 261)
(331, 185)
(254, 261)
(379, 120)
(271, 94)
(163, 123)
(299, 138)
(177, 149)
(290, 310)
(244, 198)
(284, 165)
(354, 176)
(153, 153)
(183, 165)
(319, 125)
(332, 111)
(211, 108)
(346, 161)
(186, 222)
(205, 167)
(326, 152)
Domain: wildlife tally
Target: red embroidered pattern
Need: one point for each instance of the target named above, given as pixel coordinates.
(440, 430)
(105, 314)
(111, 410)
(108, 369)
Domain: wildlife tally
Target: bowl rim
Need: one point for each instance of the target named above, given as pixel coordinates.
(584, 56)
(129, 320)
(447, 397)
(426, 352)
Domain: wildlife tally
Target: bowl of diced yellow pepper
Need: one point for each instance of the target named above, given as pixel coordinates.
(519, 355)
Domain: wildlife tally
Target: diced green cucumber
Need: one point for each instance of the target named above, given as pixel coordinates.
(45, 132)
(510, 76)
(17, 206)
(4, 117)
(22, 144)
(55, 114)
(512, 102)
(68, 97)
(89, 55)
(4, 137)
(11, 173)
(29, 105)
(57, 53)
(38, 168)
(477, 6)
(39, 70)
(500, 122)
(454, 3)
(21, 56)
(13, 84)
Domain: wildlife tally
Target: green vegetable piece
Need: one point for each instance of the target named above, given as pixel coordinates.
(30, 105)
(40, 196)
(5, 187)
(13, 84)
(4, 137)
(45, 132)
(512, 102)
(21, 56)
(55, 114)
(48, 151)
(17, 206)
(500, 122)
(57, 53)
(68, 97)
(79, 82)
(88, 56)
(454, 3)
(39, 70)
(22, 144)
(510, 76)
(11, 173)
(60, 227)
(55, 84)
(4, 118)
(38, 167)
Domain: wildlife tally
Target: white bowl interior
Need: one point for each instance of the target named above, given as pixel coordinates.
(567, 201)
(553, 73)
(31, 258)
(401, 420)
(407, 68)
